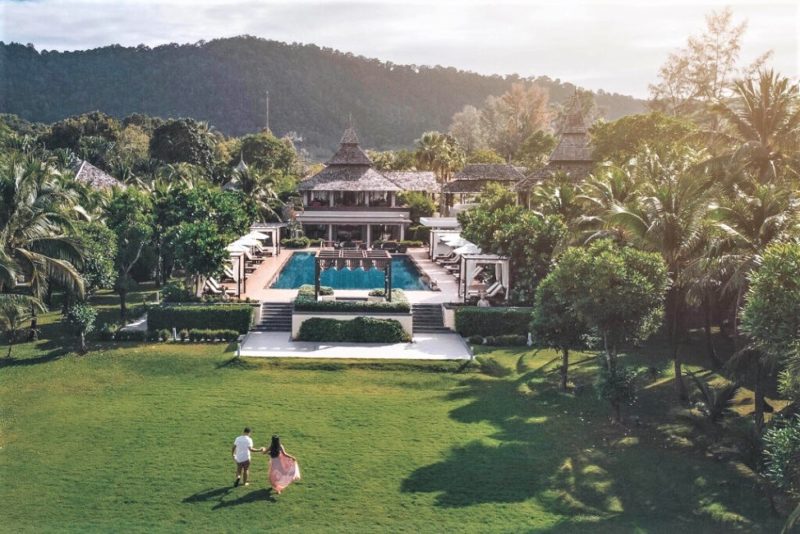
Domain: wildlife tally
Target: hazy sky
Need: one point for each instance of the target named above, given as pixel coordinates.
(616, 46)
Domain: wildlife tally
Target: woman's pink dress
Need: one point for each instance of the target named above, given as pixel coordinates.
(283, 471)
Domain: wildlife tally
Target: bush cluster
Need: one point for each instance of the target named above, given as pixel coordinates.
(300, 242)
(492, 321)
(305, 302)
(203, 334)
(307, 290)
(225, 316)
(359, 330)
(131, 335)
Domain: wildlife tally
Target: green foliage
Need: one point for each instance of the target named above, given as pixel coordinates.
(164, 335)
(782, 455)
(67, 133)
(618, 291)
(535, 150)
(484, 155)
(475, 340)
(296, 242)
(715, 403)
(176, 291)
(183, 140)
(771, 314)
(226, 316)
(358, 330)
(492, 321)
(81, 317)
(419, 204)
(99, 244)
(617, 386)
(499, 226)
(307, 290)
(131, 335)
(620, 140)
(305, 302)
(266, 152)
(555, 322)
(199, 247)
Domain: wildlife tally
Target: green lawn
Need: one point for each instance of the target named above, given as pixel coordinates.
(137, 438)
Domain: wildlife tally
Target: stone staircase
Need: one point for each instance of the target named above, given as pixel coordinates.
(427, 319)
(275, 317)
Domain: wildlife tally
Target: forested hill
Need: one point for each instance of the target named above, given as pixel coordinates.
(312, 90)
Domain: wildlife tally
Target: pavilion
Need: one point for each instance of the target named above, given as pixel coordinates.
(468, 183)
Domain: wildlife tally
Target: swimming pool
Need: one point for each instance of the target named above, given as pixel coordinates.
(299, 270)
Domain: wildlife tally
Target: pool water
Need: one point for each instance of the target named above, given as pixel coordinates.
(299, 270)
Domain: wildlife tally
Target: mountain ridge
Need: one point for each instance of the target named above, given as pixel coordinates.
(313, 90)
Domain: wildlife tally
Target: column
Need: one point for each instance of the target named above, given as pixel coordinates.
(369, 235)
(402, 232)
(330, 232)
(330, 198)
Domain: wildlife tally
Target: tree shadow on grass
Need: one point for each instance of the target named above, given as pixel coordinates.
(559, 451)
(48, 357)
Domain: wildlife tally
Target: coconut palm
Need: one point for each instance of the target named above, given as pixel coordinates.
(609, 187)
(36, 214)
(259, 186)
(761, 124)
(668, 217)
(439, 153)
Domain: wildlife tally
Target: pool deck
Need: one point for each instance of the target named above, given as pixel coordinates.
(423, 347)
(258, 282)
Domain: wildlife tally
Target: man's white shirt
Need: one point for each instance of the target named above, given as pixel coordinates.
(243, 445)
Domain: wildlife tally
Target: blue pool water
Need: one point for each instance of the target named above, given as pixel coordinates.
(299, 270)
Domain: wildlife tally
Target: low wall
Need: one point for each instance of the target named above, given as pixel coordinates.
(299, 317)
(449, 317)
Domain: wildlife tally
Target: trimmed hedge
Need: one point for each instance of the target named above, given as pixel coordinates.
(203, 334)
(399, 304)
(307, 290)
(223, 316)
(358, 330)
(471, 321)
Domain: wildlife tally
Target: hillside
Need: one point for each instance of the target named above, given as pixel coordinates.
(312, 90)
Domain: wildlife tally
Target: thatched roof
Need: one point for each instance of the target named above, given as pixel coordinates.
(573, 144)
(347, 178)
(468, 186)
(90, 175)
(498, 172)
(575, 170)
(414, 180)
(349, 152)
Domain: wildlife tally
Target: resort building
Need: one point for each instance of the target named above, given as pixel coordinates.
(351, 201)
(571, 156)
(460, 193)
(90, 175)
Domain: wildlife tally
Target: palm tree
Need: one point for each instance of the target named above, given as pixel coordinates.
(746, 223)
(761, 124)
(259, 186)
(36, 213)
(558, 195)
(602, 192)
(668, 217)
(439, 153)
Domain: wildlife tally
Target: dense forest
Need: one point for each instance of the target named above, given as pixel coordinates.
(312, 90)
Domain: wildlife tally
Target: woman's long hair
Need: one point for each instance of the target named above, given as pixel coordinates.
(275, 447)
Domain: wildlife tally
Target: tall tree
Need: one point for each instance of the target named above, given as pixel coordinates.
(513, 117)
(468, 129)
(183, 140)
(439, 153)
(702, 73)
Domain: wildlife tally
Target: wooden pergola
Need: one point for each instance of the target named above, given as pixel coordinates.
(353, 259)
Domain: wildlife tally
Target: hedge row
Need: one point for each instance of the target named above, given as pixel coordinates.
(307, 290)
(300, 242)
(358, 330)
(508, 340)
(471, 321)
(223, 316)
(399, 304)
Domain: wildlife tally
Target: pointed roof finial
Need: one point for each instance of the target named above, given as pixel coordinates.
(242, 166)
(574, 122)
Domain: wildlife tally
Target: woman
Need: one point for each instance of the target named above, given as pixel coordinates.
(283, 468)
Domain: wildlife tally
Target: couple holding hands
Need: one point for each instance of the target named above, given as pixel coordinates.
(283, 468)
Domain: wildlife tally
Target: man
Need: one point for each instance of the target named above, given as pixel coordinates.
(242, 447)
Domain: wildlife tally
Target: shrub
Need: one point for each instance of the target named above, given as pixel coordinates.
(492, 367)
(358, 330)
(107, 332)
(411, 243)
(307, 290)
(490, 340)
(177, 292)
(296, 242)
(131, 335)
(508, 340)
(475, 340)
(151, 335)
(472, 320)
(782, 455)
(196, 335)
(183, 335)
(618, 387)
(164, 334)
(228, 316)
(306, 302)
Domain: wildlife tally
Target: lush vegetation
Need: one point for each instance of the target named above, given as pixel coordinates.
(226, 316)
(358, 330)
(492, 321)
(305, 301)
(391, 104)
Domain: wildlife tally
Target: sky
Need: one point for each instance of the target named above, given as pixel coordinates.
(611, 45)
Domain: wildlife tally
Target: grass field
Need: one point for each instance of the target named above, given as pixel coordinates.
(138, 437)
